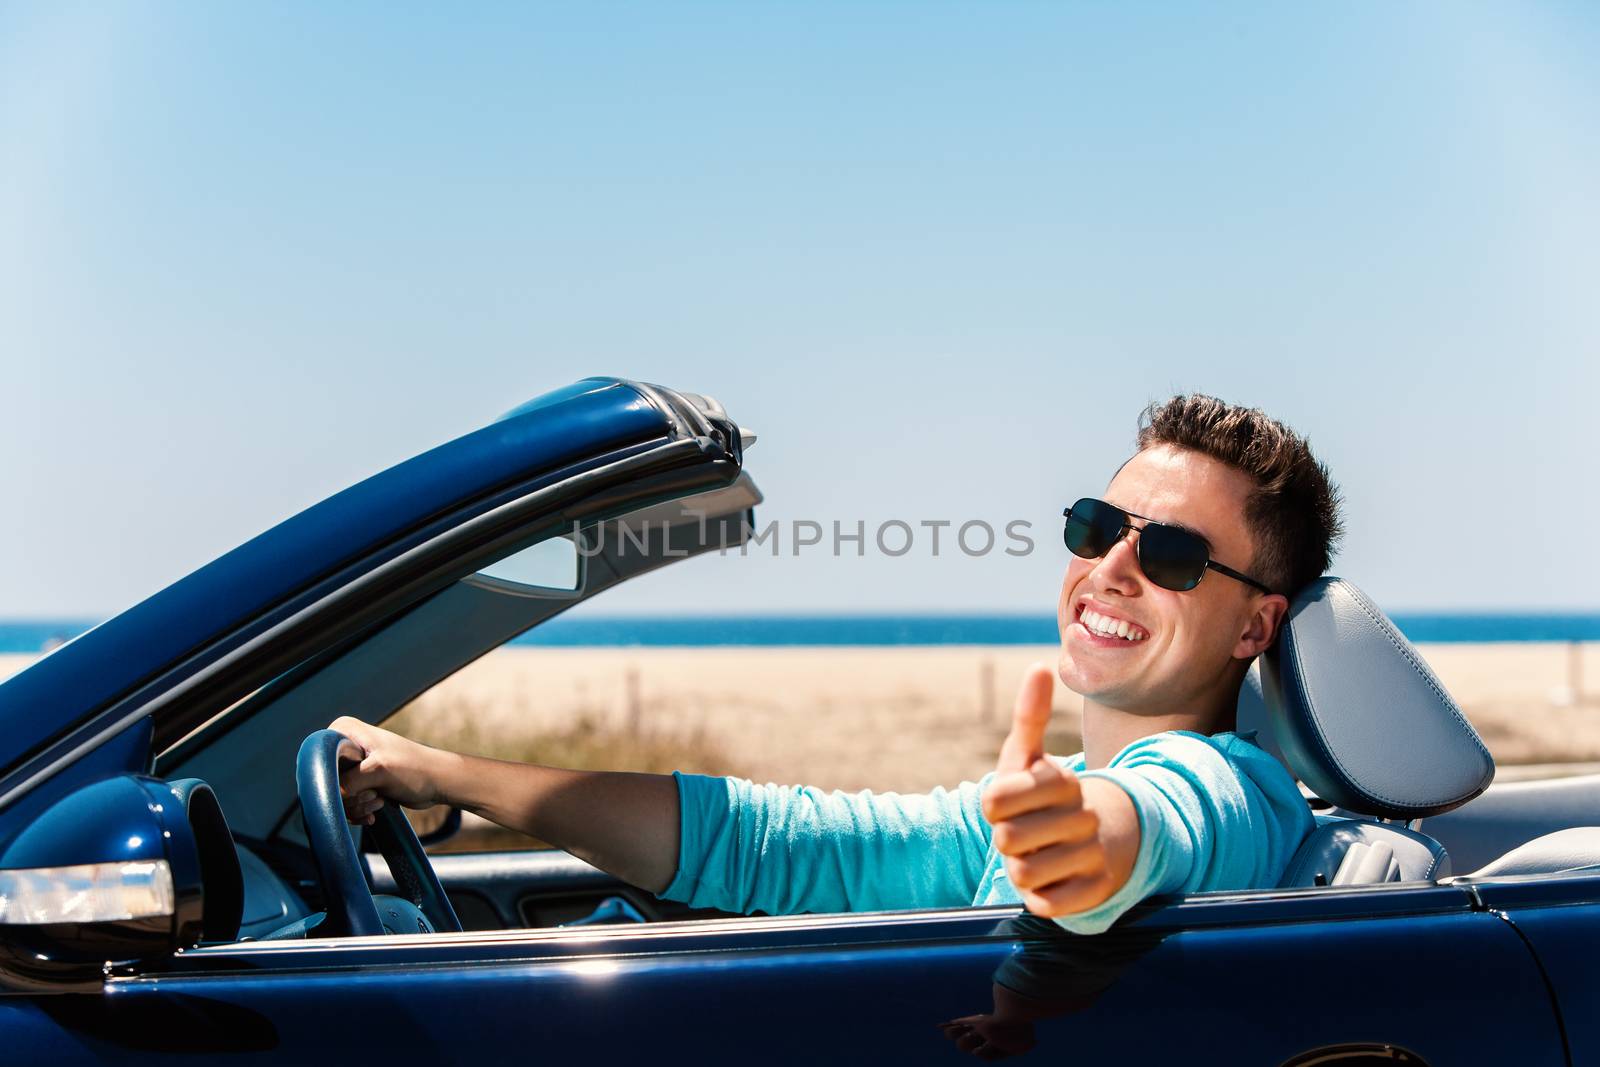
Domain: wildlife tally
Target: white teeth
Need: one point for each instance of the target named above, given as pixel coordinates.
(1099, 624)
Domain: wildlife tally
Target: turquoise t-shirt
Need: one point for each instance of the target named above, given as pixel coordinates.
(1214, 813)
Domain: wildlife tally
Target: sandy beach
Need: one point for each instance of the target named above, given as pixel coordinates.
(911, 718)
(884, 718)
(888, 718)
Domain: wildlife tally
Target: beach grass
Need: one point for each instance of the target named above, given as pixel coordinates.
(588, 742)
(901, 720)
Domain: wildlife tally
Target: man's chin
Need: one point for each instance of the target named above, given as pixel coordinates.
(1098, 686)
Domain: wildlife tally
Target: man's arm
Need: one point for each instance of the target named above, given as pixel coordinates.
(623, 823)
(745, 847)
(788, 849)
(1172, 813)
(1069, 843)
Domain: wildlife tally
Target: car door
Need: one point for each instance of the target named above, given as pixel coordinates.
(1410, 974)
(1559, 916)
(537, 888)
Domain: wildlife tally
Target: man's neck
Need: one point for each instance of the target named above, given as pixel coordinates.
(1107, 731)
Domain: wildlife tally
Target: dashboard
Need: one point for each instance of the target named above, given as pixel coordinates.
(270, 903)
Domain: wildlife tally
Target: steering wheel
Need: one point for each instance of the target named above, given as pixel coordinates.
(352, 907)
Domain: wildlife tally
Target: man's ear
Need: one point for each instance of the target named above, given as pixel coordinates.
(1266, 615)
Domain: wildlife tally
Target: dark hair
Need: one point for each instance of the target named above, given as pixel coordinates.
(1293, 513)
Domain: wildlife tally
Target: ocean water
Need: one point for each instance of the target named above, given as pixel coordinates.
(882, 630)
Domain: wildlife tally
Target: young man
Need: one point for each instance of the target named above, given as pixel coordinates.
(1178, 580)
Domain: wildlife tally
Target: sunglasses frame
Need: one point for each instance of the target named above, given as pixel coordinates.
(1210, 564)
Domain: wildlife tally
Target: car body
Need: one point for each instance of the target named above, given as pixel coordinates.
(367, 599)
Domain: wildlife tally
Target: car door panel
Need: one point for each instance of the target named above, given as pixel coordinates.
(1559, 915)
(533, 888)
(1454, 986)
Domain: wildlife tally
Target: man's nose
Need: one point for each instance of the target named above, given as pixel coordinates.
(1118, 570)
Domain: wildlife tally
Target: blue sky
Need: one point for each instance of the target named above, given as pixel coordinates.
(938, 255)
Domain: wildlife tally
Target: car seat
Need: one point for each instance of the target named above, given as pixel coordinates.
(1351, 709)
(1575, 850)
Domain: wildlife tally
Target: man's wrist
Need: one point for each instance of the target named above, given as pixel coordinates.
(451, 783)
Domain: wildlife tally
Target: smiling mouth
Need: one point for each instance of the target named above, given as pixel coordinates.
(1104, 626)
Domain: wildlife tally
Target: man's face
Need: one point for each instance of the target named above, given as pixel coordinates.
(1193, 640)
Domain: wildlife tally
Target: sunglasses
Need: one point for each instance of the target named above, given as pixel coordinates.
(1170, 556)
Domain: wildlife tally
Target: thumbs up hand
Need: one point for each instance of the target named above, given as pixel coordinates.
(1050, 839)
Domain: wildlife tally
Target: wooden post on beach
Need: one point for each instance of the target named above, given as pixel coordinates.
(630, 690)
(986, 691)
(1575, 671)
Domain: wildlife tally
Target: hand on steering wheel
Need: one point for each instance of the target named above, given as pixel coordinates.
(352, 909)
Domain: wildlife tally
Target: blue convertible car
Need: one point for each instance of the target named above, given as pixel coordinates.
(178, 884)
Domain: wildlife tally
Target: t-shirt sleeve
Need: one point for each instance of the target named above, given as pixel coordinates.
(787, 849)
(1203, 822)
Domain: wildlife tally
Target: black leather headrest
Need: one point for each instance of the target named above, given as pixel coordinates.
(1358, 716)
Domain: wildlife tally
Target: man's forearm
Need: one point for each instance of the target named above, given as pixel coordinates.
(624, 823)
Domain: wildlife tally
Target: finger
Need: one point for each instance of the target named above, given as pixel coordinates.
(1054, 775)
(368, 776)
(351, 750)
(1034, 830)
(365, 806)
(358, 778)
(1057, 863)
(355, 808)
(1069, 897)
(350, 726)
(355, 732)
(1046, 784)
(1030, 716)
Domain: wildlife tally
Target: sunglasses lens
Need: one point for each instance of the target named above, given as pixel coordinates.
(1172, 558)
(1092, 528)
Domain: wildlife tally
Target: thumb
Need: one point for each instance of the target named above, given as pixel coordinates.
(1025, 742)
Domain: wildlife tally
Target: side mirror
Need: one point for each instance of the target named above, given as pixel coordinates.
(108, 874)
